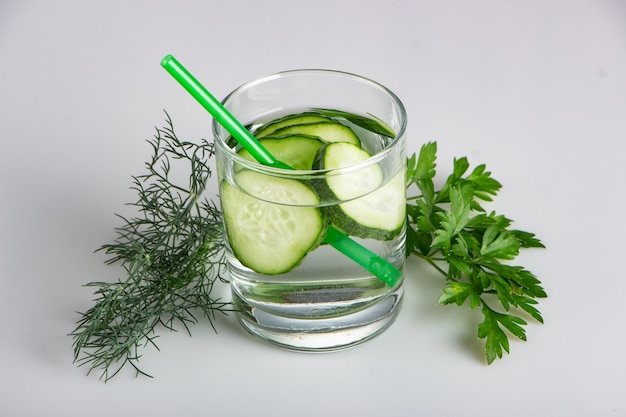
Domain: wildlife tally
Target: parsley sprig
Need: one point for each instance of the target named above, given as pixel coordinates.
(450, 230)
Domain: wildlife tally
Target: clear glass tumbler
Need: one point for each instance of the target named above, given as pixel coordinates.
(325, 301)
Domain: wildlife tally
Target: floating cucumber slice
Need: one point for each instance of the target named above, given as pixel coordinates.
(297, 151)
(326, 131)
(371, 123)
(374, 210)
(270, 238)
(290, 120)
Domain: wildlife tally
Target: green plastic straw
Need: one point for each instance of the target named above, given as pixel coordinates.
(373, 263)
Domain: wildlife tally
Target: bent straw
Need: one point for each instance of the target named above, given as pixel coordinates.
(373, 263)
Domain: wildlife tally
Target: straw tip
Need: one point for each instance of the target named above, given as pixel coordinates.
(165, 61)
(385, 271)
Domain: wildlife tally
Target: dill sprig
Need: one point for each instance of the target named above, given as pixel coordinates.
(172, 254)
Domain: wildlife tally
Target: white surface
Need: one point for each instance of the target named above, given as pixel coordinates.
(534, 89)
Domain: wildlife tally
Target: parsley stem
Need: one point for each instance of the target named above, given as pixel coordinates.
(415, 197)
(431, 261)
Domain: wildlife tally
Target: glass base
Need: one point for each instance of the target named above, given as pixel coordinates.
(329, 333)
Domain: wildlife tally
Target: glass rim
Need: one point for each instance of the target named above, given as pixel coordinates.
(312, 173)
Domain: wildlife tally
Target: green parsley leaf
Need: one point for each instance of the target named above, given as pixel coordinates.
(458, 292)
(499, 244)
(496, 338)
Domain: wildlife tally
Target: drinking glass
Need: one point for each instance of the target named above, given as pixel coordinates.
(327, 301)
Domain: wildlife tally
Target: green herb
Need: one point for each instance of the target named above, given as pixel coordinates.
(450, 230)
(172, 254)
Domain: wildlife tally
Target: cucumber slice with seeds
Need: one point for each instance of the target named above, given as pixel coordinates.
(270, 238)
(372, 210)
(297, 151)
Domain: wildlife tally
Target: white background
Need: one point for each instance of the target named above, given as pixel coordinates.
(534, 89)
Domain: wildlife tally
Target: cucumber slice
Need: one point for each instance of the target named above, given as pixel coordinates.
(270, 238)
(327, 131)
(372, 123)
(290, 120)
(297, 151)
(374, 210)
